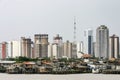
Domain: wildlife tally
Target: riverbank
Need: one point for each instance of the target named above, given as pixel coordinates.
(58, 77)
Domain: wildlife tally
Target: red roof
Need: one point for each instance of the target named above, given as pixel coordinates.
(31, 63)
(86, 55)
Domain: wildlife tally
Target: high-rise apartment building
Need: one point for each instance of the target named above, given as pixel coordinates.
(41, 45)
(3, 50)
(114, 46)
(13, 49)
(74, 49)
(57, 39)
(53, 51)
(67, 49)
(10, 49)
(26, 47)
(59, 42)
(37, 45)
(50, 50)
(32, 50)
(88, 41)
(80, 49)
(16, 49)
(102, 42)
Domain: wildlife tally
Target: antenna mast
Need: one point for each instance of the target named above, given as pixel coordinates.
(74, 29)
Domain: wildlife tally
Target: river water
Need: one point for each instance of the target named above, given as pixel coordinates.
(58, 77)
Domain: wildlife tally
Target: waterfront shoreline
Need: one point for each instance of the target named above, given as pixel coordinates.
(85, 76)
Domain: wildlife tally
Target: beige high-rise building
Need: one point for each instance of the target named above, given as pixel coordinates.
(114, 46)
(55, 50)
(32, 50)
(26, 47)
(67, 49)
(41, 45)
(59, 43)
(74, 50)
(37, 45)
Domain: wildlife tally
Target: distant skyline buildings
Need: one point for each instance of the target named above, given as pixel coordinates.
(104, 46)
(56, 17)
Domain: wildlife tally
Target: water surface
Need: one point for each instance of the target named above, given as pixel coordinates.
(58, 77)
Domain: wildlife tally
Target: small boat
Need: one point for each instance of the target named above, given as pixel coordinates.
(95, 70)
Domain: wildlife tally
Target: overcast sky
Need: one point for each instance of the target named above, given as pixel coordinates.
(28, 17)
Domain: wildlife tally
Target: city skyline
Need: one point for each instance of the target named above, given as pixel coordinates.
(59, 39)
(40, 47)
(56, 17)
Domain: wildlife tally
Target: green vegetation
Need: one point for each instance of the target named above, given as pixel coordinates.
(63, 60)
(22, 59)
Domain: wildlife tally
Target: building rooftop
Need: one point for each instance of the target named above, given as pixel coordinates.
(7, 62)
(102, 27)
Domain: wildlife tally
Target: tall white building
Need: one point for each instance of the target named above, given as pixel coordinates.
(81, 46)
(80, 49)
(102, 42)
(10, 49)
(53, 51)
(88, 41)
(16, 49)
(50, 50)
